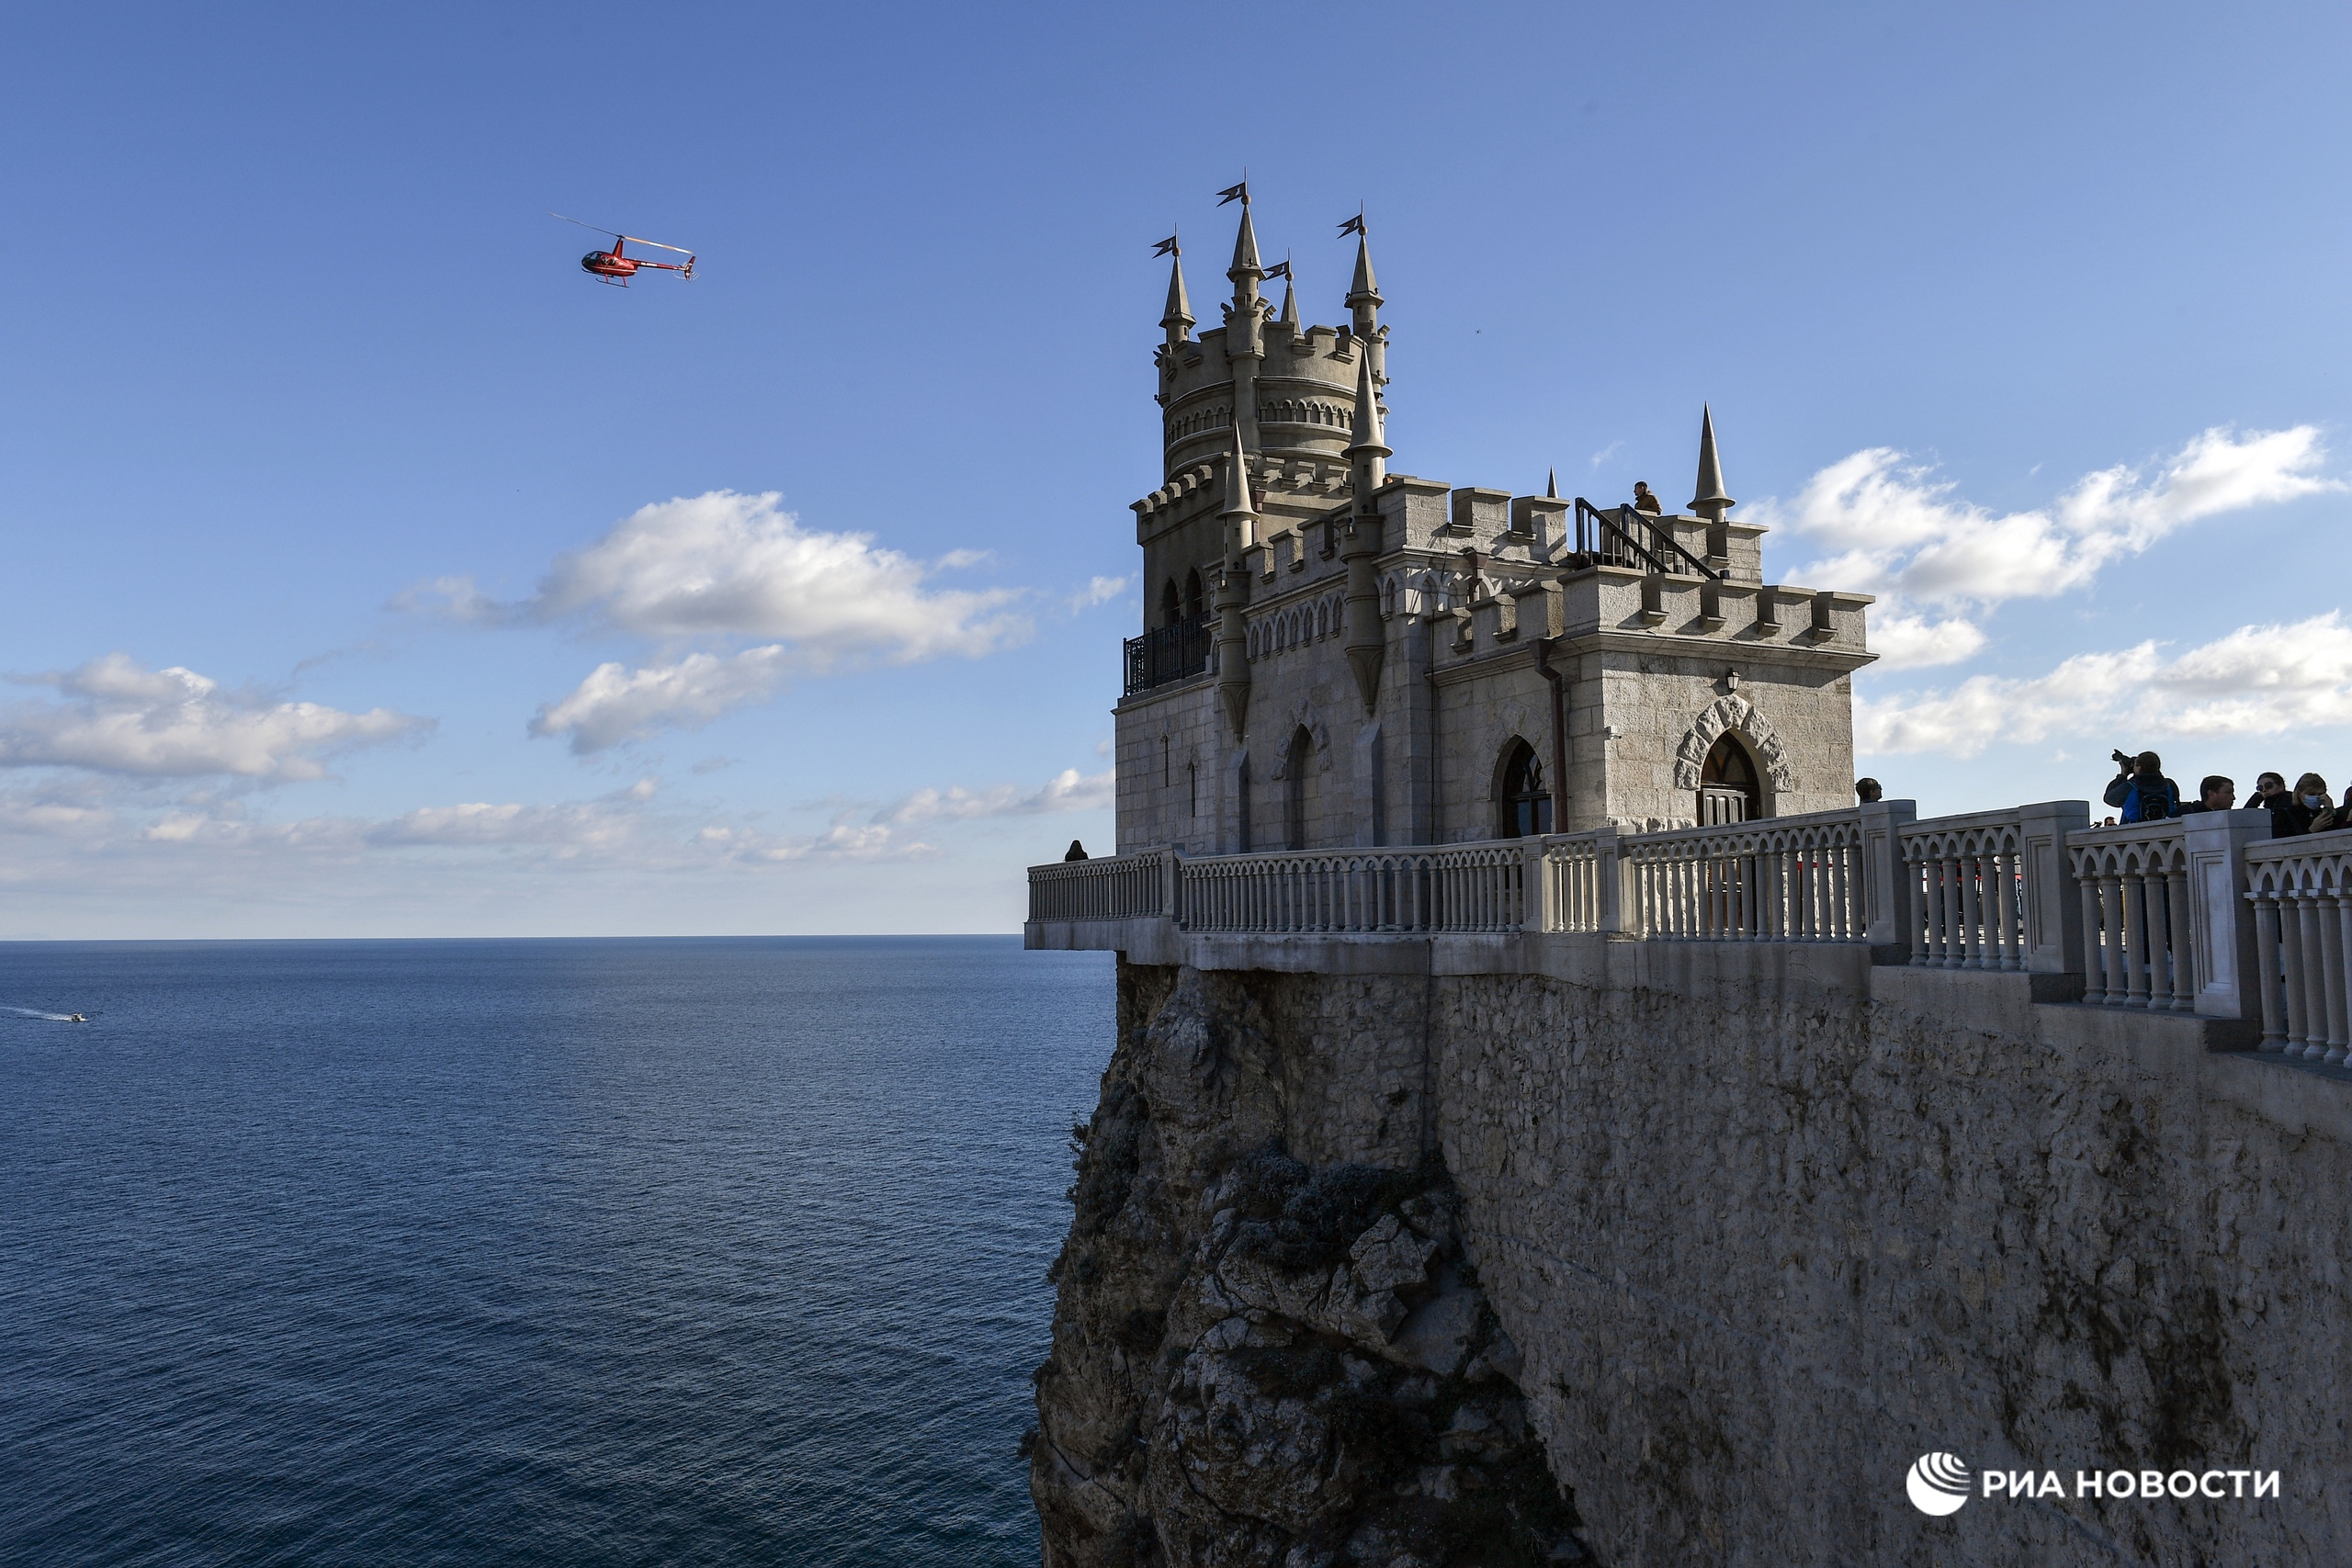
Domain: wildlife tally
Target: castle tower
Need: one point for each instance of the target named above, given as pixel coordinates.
(1396, 660)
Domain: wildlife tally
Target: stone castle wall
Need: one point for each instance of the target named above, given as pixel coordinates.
(1762, 1225)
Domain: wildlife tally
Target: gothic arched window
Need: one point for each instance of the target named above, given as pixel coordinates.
(1524, 797)
(1294, 801)
(1172, 608)
(1727, 788)
(1195, 602)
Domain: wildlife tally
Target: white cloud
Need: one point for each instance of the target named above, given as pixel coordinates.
(722, 569)
(2257, 681)
(724, 564)
(452, 599)
(122, 717)
(616, 704)
(843, 840)
(1067, 791)
(1098, 590)
(566, 829)
(1900, 533)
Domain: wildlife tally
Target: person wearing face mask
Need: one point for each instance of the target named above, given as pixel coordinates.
(2326, 816)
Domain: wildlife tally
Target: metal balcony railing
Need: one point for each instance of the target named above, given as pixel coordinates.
(1168, 653)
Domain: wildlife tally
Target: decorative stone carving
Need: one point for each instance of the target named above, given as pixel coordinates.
(1732, 713)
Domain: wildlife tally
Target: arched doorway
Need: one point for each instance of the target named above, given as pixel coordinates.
(1728, 791)
(1196, 604)
(1522, 792)
(1172, 608)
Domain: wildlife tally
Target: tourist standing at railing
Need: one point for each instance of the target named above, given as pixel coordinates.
(2141, 789)
(2289, 816)
(2216, 793)
(1644, 501)
(2311, 794)
(1867, 791)
(1077, 850)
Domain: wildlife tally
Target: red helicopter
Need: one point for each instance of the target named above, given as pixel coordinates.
(615, 267)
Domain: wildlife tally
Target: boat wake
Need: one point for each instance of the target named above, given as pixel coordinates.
(47, 1016)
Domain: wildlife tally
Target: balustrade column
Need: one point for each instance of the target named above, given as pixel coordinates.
(2004, 908)
(2331, 944)
(2314, 954)
(2184, 977)
(2290, 949)
(1972, 915)
(2137, 973)
(2266, 961)
(2339, 958)
(2095, 948)
(2111, 927)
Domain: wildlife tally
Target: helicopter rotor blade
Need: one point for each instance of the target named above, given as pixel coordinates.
(641, 239)
(595, 228)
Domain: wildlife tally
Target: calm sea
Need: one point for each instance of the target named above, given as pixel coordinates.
(531, 1252)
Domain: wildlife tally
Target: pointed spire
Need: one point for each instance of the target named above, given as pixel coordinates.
(1366, 432)
(1363, 287)
(1363, 294)
(1178, 316)
(1711, 503)
(1237, 502)
(1290, 304)
(1244, 250)
(1552, 484)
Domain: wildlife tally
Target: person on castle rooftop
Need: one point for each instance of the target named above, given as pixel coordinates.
(1077, 850)
(1644, 501)
(2141, 789)
(1868, 791)
(2215, 794)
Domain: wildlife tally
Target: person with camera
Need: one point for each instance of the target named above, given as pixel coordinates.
(2142, 790)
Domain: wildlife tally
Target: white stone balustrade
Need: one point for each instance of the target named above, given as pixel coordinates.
(2300, 891)
(1115, 887)
(2161, 920)
(1582, 883)
(1777, 879)
(2149, 916)
(1472, 888)
(1991, 890)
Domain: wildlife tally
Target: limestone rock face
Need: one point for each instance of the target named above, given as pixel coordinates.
(1260, 1361)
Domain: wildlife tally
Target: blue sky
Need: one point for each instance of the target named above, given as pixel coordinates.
(327, 473)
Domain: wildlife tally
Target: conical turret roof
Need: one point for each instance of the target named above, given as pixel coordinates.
(1244, 250)
(1367, 429)
(1710, 502)
(1290, 303)
(1180, 308)
(1237, 480)
(1363, 287)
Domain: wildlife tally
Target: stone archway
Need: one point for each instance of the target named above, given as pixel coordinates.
(1733, 713)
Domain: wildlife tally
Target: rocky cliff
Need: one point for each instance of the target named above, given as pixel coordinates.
(1362, 1265)
(1269, 1350)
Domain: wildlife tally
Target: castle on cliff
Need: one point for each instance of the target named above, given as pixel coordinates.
(1337, 654)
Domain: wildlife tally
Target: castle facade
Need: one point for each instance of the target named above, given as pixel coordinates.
(1335, 654)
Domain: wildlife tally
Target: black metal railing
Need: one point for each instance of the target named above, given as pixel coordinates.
(1624, 535)
(1168, 653)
